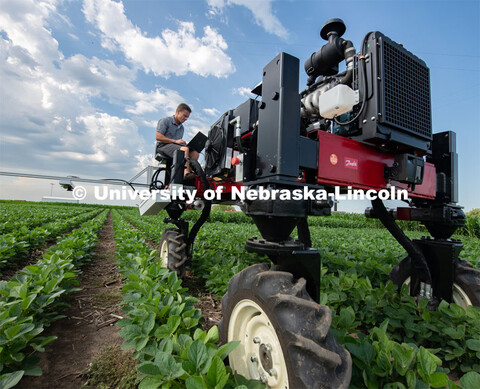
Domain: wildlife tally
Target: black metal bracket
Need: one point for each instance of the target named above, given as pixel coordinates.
(441, 256)
(294, 257)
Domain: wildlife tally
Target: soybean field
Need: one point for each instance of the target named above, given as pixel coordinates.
(85, 302)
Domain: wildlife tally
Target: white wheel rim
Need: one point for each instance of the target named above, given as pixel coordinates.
(459, 296)
(164, 253)
(259, 355)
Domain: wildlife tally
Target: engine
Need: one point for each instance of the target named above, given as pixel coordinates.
(382, 99)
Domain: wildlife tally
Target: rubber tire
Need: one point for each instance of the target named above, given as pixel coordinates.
(174, 242)
(466, 277)
(313, 358)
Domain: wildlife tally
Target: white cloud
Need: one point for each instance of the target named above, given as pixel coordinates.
(48, 120)
(211, 111)
(197, 124)
(167, 99)
(110, 135)
(242, 91)
(174, 52)
(24, 22)
(261, 10)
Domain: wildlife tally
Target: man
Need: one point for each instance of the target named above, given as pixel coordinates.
(170, 134)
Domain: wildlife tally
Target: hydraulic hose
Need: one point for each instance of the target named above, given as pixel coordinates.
(418, 260)
(364, 79)
(361, 66)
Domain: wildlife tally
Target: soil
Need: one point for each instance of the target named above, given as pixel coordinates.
(89, 322)
(209, 305)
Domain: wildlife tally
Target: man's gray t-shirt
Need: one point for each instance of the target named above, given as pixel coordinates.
(168, 127)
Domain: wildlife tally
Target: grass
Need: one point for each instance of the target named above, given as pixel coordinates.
(107, 298)
(111, 368)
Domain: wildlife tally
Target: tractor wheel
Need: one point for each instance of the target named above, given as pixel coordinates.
(284, 335)
(466, 283)
(172, 251)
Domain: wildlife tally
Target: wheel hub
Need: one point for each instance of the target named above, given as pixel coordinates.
(266, 356)
(259, 355)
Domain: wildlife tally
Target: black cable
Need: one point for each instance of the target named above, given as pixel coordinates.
(364, 97)
(119, 179)
(154, 181)
(418, 260)
(365, 89)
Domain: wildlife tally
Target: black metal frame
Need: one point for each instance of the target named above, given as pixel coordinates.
(272, 160)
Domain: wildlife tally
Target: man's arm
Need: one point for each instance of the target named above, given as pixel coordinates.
(161, 130)
(162, 138)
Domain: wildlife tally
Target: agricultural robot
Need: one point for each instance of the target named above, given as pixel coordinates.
(368, 127)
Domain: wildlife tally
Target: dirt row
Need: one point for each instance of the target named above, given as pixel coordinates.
(89, 326)
(89, 322)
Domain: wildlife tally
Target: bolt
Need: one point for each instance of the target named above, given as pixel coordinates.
(268, 347)
(275, 95)
(372, 118)
(364, 121)
(256, 340)
(262, 105)
(263, 378)
(272, 372)
(253, 358)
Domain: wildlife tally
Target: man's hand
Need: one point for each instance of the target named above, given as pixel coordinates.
(162, 138)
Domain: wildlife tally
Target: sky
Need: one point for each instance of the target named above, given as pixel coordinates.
(83, 83)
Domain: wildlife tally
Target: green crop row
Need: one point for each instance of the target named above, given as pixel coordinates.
(356, 286)
(361, 312)
(336, 220)
(356, 264)
(210, 245)
(17, 245)
(150, 226)
(13, 218)
(163, 325)
(369, 313)
(227, 256)
(31, 300)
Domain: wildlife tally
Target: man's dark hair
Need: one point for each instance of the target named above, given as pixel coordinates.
(184, 107)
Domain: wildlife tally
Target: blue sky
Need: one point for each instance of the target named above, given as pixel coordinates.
(83, 83)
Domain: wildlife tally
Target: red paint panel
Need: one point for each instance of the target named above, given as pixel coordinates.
(346, 162)
(227, 185)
